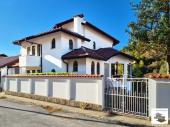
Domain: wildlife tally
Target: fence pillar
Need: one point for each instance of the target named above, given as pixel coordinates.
(32, 86)
(18, 85)
(68, 96)
(5, 84)
(100, 99)
(49, 87)
(125, 75)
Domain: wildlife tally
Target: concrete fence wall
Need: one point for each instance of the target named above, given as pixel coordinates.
(88, 90)
(159, 94)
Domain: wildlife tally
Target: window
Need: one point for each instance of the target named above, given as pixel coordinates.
(75, 66)
(33, 50)
(33, 71)
(28, 50)
(94, 45)
(117, 70)
(70, 44)
(38, 71)
(92, 68)
(53, 43)
(98, 68)
(28, 71)
(53, 70)
(38, 49)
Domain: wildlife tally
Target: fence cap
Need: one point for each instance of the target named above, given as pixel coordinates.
(55, 76)
(157, 76)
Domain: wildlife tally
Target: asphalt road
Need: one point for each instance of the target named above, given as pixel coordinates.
(15, 114)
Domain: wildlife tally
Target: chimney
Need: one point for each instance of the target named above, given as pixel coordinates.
(78, 20)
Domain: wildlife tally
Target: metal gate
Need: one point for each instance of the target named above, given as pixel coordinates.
(127, 95)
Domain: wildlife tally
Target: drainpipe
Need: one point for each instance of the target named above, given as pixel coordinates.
(7, 70)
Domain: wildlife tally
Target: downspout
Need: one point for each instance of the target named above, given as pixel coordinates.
(66, 65)
(7, 70)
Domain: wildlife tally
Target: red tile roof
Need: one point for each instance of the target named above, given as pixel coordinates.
(100, 54)
(107, 53)
(157, 76)
(81, 53)
(3, 55)
(8, 61)
(57, 27)
(18, 42)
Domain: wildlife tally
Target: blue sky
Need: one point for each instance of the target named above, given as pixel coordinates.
(20, 18)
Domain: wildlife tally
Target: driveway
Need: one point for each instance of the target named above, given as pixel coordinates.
(16, 114)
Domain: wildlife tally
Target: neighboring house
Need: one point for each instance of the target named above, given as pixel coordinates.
(9, 65)
(2, 56)
(74, 45)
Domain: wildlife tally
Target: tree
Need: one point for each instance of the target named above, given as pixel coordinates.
(149, 36)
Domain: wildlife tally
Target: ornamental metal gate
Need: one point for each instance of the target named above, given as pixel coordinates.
(127, 95)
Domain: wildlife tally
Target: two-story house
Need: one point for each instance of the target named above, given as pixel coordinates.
(74, 45)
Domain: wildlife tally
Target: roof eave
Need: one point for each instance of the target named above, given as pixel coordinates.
(18, 42)
(78, 57)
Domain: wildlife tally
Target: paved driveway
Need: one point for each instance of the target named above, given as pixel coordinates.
(16, 114)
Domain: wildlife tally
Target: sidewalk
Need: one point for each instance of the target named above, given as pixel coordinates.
(89, 113)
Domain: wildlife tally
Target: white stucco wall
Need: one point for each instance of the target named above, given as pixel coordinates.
(69, 26)
(88, 66)
(25, 85)
(159, 94)
(4, 71)
(100, 40)
(41, 87)
(60, 88)
(85, 91)
(81, 66)
(8, 71)
(89, 90)
(52, 57)
(13, 85)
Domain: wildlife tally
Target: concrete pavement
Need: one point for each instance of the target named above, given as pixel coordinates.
(18, 111)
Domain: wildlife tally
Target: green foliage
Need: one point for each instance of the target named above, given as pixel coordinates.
(137, 71)
(163, 68)
(149, 36)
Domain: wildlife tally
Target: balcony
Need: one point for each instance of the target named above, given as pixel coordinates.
(29, 61)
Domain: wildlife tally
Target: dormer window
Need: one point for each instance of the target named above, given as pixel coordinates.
(94, 45)
(70, 44)
(53, 43)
